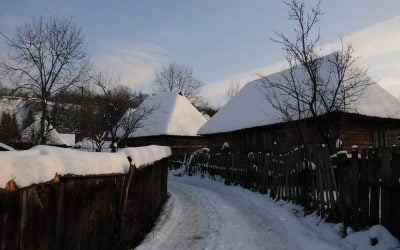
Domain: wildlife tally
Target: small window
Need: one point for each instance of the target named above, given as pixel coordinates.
(379, 138)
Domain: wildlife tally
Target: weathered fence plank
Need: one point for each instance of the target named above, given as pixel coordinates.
(10, 219)
(38, 216)
(84, 212)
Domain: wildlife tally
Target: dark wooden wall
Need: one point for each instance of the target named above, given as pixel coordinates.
(178, 144)
(352, 129)
(84, 212)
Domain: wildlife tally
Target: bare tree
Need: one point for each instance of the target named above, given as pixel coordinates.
(176, 77)
(46, 57)
(122, 113)
(232, 90)
(313, 85)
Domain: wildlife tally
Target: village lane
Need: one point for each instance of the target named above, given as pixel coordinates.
(202, 214)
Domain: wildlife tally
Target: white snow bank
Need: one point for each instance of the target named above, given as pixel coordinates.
(143, 156)
(42, 163)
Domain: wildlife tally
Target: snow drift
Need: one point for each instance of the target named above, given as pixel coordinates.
(43, 163)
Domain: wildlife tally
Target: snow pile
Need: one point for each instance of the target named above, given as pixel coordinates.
(250, 107)
(69, 139)
(173, 115)
(143, 156)
(42, 163)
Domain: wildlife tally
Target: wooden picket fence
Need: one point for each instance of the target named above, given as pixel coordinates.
(84, 212)
(360, 190)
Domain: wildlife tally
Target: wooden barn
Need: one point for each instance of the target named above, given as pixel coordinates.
(248, 122)
(174, 123)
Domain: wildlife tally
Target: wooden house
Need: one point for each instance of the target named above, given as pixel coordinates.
(248, 122)
(173, 123)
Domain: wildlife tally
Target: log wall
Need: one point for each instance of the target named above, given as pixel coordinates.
(352, 129)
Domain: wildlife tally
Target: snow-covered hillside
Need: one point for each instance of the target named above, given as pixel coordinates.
(15, 106)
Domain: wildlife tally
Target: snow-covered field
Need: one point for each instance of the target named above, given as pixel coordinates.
(204, 214)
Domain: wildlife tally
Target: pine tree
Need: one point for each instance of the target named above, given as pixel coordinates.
(9, 128)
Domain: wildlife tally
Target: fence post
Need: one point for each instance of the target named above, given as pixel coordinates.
(364, 191)
(354, 189)
(386, 183)
(395, 190)
(373, 167)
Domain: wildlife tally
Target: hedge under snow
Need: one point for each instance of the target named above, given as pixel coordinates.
(42, 163)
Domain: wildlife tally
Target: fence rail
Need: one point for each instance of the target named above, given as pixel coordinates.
(84, 212)
(360, 190)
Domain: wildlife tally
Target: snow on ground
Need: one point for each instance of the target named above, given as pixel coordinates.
(204, 214)
(42, 163)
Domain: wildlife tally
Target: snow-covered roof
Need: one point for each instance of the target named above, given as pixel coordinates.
(53, 137)
(6, 147)
(42, 163)
(250, 108)
(173, 115)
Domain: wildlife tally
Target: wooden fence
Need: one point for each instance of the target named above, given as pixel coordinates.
(84, 212)
(360, 190)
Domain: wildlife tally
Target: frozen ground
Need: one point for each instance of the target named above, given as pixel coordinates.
(204, 214)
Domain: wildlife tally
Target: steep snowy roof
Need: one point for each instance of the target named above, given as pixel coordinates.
(250, 108)
(173, 115)
(53, 137)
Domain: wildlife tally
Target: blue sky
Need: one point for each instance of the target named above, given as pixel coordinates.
(220, 39)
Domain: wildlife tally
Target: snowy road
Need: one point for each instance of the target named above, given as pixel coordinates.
(203, 214)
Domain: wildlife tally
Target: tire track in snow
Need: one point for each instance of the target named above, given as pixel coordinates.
(197, 217)
(181, 225)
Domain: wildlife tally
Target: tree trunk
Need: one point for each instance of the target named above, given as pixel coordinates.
(43, 132)
(114, 147)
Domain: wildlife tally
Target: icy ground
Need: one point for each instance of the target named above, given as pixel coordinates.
(204, 214)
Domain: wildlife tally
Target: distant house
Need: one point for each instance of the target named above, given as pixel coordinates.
(174, 122)
(31, 133)
(248, 122)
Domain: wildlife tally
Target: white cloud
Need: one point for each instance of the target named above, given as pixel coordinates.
(378, 47)
(135, 64)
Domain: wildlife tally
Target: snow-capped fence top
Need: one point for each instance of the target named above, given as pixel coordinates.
(43, 163)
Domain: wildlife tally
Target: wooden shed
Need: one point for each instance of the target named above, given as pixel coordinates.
(248, 122)
(174, 123)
